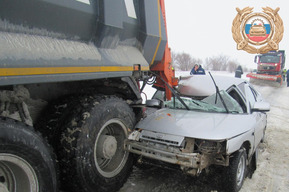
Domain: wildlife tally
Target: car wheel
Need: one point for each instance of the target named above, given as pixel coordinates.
(92, 155)
(236, 172)
(26, 162)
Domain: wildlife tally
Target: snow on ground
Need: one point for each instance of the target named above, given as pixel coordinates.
(272, 174)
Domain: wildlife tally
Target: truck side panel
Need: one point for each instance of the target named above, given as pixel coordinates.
(72, 40)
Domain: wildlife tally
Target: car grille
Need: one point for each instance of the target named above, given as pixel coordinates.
(161, 140)
(171, 140)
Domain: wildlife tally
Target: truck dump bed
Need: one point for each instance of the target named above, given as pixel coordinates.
(78, 39)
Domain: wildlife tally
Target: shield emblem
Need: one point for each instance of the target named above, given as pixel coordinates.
(252, 30)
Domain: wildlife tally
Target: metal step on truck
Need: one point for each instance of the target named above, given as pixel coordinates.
(70, 73)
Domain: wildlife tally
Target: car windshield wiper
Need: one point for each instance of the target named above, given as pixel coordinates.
(218, 93)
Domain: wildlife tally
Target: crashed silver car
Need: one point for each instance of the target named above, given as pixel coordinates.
(216, 122)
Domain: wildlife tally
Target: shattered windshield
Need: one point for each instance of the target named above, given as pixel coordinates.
(209, 104)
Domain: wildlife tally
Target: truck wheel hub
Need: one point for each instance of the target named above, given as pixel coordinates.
(107, 146)
(3, 188)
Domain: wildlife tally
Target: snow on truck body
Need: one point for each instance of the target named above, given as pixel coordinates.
(206, 134)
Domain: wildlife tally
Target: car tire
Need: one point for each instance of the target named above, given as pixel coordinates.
(236, 172)
(92, 155)
(27, 163)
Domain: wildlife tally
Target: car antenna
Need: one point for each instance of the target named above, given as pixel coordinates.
(218, 93)
(173, 91)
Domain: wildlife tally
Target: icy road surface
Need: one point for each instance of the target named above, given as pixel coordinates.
(272, 174)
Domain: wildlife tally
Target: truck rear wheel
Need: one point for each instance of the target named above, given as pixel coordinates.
(26, 162)
(93, 156)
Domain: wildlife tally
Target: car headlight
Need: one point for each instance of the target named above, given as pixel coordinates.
(207, 146)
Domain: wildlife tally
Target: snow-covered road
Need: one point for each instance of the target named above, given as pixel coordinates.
(272, 174)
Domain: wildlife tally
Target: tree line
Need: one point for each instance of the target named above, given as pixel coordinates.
(185, 62)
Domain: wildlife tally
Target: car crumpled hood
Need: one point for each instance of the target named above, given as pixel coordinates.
(202, 125)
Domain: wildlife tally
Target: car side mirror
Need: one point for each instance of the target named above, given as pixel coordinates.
(261, 106)
(154, 103)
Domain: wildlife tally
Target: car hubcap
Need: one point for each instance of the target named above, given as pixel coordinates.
(241, 170)
(3, 188)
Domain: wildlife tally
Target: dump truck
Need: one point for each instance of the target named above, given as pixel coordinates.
(70, 89)
(269, 67)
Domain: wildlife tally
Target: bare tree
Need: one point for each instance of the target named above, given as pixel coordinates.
(218, 63)
(232, 66)
(246, 69)
(184, 61)
(174, 62)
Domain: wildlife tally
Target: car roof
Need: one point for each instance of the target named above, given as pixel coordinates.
(203, 85)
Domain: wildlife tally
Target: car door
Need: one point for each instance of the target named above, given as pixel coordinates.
(259, 117)
(263, 116)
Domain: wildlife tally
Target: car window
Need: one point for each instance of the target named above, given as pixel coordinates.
(238, 98)
(232, 105)
(255, 93)
(209, 104)
(251, 97)
(242, 88)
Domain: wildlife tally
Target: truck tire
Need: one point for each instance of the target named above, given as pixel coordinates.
(51, 122)
(26, 161)
(92, 157)
(236, 171)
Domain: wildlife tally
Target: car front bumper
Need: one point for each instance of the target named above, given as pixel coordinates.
(169, 154)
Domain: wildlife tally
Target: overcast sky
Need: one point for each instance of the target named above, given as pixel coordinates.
(203, 28)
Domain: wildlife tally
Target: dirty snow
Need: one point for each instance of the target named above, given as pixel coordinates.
(272, 174)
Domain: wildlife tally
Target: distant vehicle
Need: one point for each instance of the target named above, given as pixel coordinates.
(202, 127)
(269, 66)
